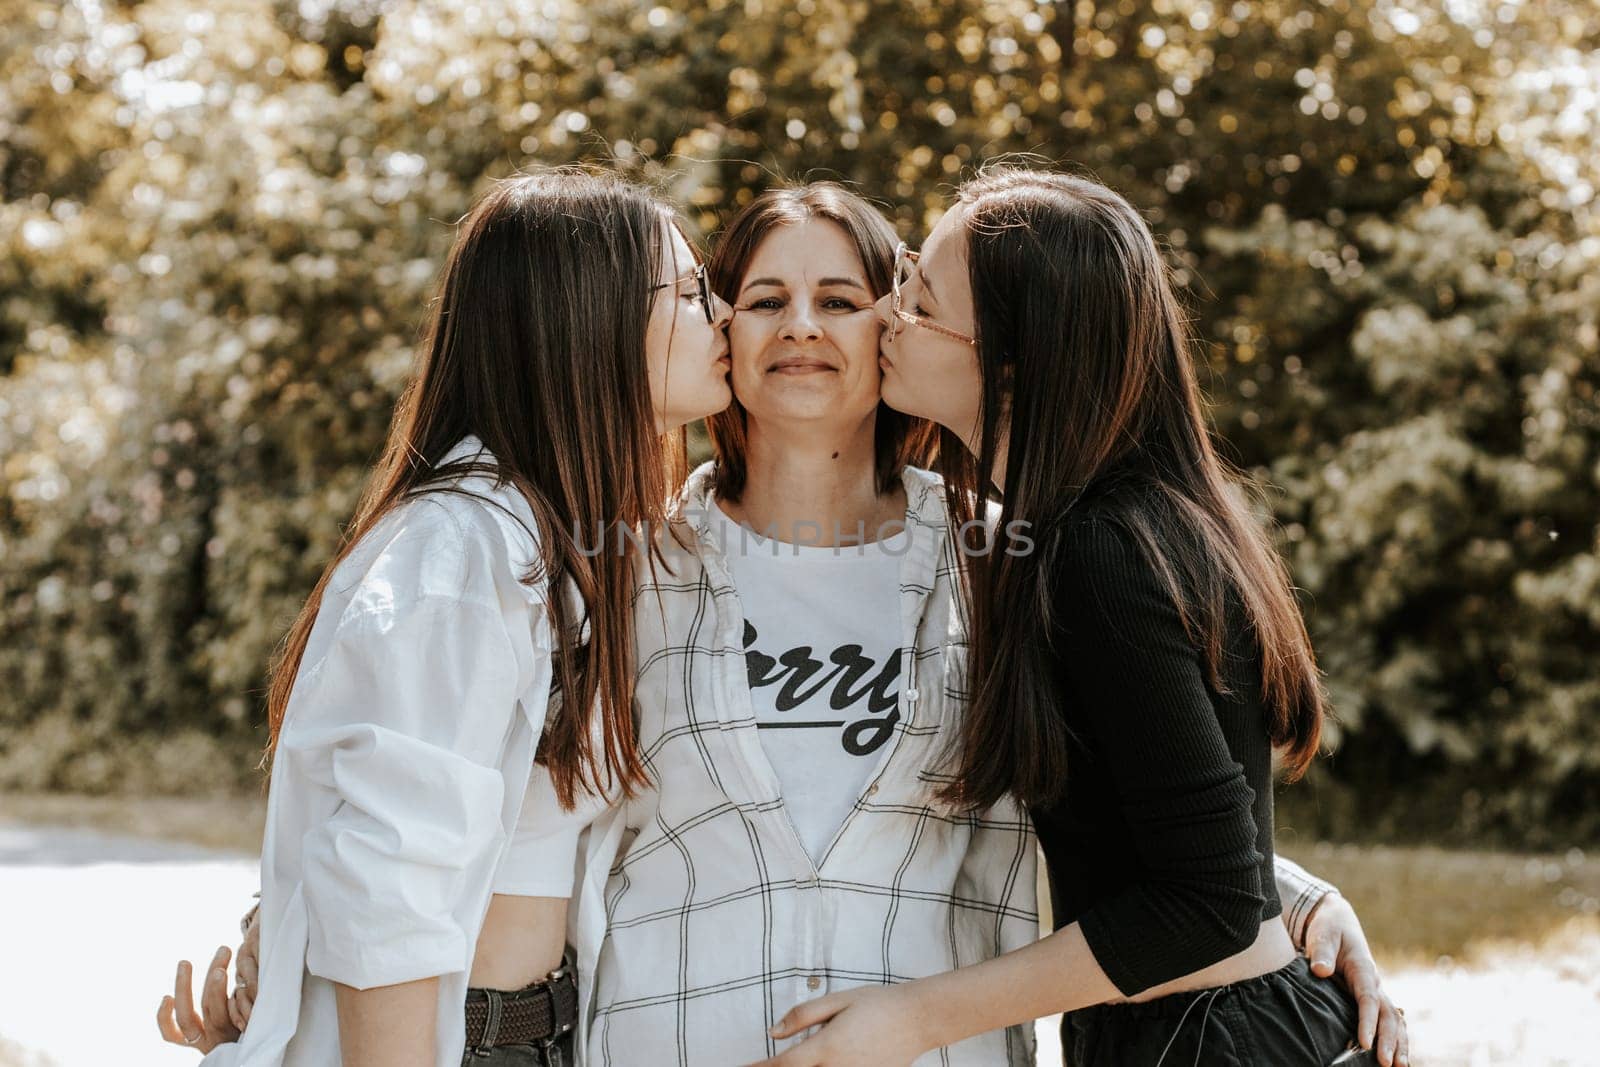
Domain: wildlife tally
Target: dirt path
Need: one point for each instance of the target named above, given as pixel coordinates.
(1496, 958)
(93, 925)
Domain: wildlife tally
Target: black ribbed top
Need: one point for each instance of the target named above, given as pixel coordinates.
(1162, 848)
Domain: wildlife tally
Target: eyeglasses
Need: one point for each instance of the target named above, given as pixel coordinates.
(904, 260)
(702, 284)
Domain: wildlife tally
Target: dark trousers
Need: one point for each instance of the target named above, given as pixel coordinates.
(523, 1055)
(1289, 1018)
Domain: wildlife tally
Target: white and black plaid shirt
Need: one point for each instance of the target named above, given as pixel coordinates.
(701, 918)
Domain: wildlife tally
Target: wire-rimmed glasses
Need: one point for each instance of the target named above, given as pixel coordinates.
(702, 282)
(904, 260)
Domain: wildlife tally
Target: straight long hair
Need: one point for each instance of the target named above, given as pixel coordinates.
(898, 439)
(1088, 380)
(535, 343)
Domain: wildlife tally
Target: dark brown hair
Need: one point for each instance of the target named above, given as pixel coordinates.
(1087, 376)
(898, 439)
(536, 345)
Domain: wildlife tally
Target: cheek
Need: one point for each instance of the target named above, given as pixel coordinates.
(659, 340)
(858, 337)
(747, 335)
(954, 375)
(746, 340)
(857, 341)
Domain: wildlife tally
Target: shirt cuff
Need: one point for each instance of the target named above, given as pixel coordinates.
(1097, 933)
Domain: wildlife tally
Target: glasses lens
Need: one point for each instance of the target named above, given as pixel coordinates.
(703, 280)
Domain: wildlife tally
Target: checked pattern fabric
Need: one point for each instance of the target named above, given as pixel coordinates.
(717, 921)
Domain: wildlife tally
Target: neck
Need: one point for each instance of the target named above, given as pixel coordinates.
(814, 485)
(997, 473)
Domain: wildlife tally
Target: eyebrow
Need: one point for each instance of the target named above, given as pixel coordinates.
(851, 282)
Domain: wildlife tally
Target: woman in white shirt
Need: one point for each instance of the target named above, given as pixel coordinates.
(572, 322)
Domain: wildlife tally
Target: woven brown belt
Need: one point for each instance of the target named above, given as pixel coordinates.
(537, 1015)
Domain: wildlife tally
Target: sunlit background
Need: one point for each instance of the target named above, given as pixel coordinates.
(221, 222)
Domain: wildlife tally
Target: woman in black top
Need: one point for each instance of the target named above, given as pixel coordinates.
(1131, 677)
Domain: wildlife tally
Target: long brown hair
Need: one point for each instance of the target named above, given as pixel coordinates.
(536, 345)
(1087, 377)
(898, 439)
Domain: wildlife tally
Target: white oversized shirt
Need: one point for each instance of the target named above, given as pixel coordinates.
(401, 770)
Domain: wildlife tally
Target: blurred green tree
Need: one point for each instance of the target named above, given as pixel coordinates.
(222, 226)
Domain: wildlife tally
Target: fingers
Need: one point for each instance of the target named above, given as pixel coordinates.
(1393, 1050)
(1322, 950)
(167, 1024)
(799, 1056)
(806, 1015)
(1367, 1024)
(249, 957)
(252, 939)
(183, 995)
(214, 995)
(241, 1005)
(246, 973)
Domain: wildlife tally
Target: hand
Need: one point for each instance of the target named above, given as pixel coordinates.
(204, 1031)
(246, 973)
(1335, 943)
(874, 1026)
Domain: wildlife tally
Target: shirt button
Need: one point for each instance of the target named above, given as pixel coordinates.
(872, 790)
(813, 983)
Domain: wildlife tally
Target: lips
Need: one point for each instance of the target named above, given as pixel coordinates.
(799, 365)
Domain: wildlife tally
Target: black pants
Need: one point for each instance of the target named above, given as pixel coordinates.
(521, 1055)
(1289, 1018)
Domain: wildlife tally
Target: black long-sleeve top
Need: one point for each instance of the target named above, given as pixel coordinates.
(1162, 847)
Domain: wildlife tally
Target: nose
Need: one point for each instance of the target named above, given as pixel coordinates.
(801, 323)
(721, 312)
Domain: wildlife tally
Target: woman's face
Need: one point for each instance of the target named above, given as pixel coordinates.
(804, 340)
(687, 356)
(926, 373)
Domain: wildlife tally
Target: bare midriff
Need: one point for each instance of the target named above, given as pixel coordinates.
(1271, 951)
(521, 942)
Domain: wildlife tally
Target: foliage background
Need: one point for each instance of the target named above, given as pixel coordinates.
(221, 223)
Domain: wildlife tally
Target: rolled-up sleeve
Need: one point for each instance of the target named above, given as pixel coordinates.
(404, 720)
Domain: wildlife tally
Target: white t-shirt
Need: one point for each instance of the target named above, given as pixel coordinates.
(823, 660)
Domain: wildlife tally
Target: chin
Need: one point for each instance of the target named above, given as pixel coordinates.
(896, 397)
(718, 397)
